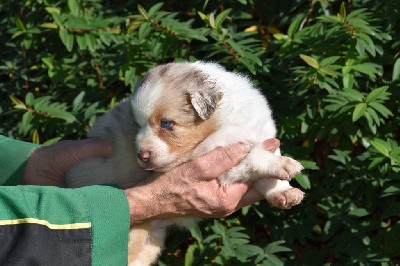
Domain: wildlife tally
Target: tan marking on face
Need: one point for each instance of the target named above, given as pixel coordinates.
(188, 129)
(186, 132)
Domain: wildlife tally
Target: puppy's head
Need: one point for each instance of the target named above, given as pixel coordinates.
(176, 108)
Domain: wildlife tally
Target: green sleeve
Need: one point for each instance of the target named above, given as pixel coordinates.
(97, 216)
(60, 214)
(13, 157)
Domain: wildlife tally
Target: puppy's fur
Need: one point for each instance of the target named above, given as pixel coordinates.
(180, 112)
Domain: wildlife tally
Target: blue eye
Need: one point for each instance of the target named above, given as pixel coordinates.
(165, 123)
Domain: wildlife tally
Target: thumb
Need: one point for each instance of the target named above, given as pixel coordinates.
(68, 153)
(271, 144)
(92, 148)
(218, 161)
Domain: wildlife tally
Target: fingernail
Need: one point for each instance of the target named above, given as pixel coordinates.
(246, 146)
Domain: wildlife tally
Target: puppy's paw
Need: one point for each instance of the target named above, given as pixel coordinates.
(287, 168)
(286, 199)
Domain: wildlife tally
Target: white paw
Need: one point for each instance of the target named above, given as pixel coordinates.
(286, 168)
(286, 199)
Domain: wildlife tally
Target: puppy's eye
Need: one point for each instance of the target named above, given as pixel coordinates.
(164, 123)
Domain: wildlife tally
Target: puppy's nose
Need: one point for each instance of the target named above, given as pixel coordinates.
(144, 156)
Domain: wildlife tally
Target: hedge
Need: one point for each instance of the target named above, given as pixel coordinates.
(330, 69)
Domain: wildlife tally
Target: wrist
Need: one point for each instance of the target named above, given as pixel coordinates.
(140, 207)
(29, 176)
(156, 199)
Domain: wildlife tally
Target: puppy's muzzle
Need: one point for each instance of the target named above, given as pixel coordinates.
(144, 156)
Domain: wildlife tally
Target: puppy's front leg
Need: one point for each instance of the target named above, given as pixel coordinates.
(279, 193)
(271, 173)
(261, 163)
(264, 163)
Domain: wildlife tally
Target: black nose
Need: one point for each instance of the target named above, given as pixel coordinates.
(144, 156)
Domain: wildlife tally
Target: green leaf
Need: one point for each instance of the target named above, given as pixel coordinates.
(310, 61)
(29, 98)
(77, 103)
(74, 7)
(67, 39)
(303, 181)
(144, 30)
(365, 69)
(55, 113)
(143, 11)
(391, 191)
(91, 41)
(330, 19)
(276, 247)
(381, 109)
(35, 137)
(196, 232)
(17, 102)
(20, 24)
(353, 95)
(294, 26)
(221, 18)
(53, 10)
(381, 146)
(189, 255)
(309, 165)
(342, 13)
(367, 39)
(52, 141)
(396, 70)
(129, 74)
(154, 9)
(359, 111)
(203, 16)
(375, 94)
(328, 71)
(280, 36)
(26, 123)
(359, 212)
(91, 111)
(348, 80)
(375, 162)
(49, 25)
(329, 60)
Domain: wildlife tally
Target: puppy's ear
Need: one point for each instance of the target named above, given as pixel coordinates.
(205, 102)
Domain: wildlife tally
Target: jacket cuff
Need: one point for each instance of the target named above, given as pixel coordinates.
(13, 158)
(109, 212)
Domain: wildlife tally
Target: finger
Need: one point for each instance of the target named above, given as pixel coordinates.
(271, 144)
(249, 198)
(87, 148)
(217, 161)
(237, 190)
(230, 196)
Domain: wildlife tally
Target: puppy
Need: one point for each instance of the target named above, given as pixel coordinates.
(178, 113)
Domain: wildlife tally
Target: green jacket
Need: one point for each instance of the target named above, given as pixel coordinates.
(44, 225)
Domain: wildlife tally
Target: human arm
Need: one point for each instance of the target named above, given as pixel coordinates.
(192, 189)
(189, 190)
(48, 165)
(110, 211)
(47, 223)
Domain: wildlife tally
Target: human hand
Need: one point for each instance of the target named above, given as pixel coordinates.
(192, 189)
(48, 165)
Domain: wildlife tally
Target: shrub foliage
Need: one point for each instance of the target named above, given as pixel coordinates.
(330, 69)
